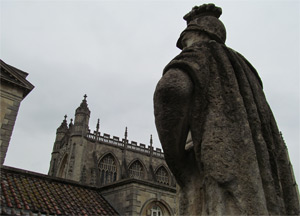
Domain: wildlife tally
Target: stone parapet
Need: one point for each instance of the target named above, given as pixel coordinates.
(115, 141)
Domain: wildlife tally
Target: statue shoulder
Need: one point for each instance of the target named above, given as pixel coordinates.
(190, 58)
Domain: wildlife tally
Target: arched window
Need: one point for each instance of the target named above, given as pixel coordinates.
(63, 167)
(162, 175)
(136, 170)
(108, 169)
(153, 207)
(156, 211)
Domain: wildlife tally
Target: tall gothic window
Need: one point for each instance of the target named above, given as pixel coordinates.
(108, 169)
(63, 167)
(162, 175)
(136, 170)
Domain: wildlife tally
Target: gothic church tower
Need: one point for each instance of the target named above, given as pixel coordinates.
(133, 177)
(69, 147)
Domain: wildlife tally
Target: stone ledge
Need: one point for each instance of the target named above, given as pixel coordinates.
(125, 182)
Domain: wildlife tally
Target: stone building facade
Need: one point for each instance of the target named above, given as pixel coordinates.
(13, 89)
(133, 177)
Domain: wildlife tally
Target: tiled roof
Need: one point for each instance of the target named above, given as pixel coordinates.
(28, 193)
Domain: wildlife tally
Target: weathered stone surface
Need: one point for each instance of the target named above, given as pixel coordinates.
(136, 197)
(14, 87)
(236, 163)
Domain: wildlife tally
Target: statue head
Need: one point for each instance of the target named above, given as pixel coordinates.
(204, 19)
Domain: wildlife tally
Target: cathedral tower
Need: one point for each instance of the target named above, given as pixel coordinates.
(133, 176)
(70, 144)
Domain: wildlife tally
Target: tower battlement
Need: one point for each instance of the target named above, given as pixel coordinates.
(116, 141)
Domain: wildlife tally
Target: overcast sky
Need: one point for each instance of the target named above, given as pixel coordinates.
(115, 51)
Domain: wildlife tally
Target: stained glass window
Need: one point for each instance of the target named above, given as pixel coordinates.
(136, 170)
(108, 169)
(162, 175)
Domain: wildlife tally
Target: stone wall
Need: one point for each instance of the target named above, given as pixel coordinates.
(137, 197)
(88, 153)
(11, 96)
(13, 89)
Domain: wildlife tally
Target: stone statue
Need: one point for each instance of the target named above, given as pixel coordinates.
(218, 133)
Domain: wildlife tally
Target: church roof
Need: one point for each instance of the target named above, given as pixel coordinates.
(15, 76)
(28, 193)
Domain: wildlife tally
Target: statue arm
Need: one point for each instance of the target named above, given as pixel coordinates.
(172, 99)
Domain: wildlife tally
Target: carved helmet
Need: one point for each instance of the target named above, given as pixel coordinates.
(204, 18)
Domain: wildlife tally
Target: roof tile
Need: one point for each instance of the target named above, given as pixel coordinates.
(23, 191)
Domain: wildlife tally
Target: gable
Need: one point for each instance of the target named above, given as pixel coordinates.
(16, 77)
